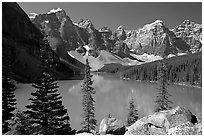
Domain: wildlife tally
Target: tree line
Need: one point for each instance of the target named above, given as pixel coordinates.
(183, 69)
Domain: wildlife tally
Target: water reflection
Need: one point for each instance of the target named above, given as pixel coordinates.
(112, 97)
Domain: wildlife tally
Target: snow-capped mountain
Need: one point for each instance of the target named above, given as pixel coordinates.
(148, 43)
(66, 35)
(155, 38)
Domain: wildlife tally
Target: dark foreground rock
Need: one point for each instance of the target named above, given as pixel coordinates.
(177, 121)
(186, 129)
(111, 126)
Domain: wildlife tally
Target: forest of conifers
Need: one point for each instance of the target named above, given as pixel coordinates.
(181, 69)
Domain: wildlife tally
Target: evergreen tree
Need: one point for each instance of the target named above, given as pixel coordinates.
(22, 123)
(89, 123)
(8, 87)
(46, 111)
(162, 99)
(132, 112)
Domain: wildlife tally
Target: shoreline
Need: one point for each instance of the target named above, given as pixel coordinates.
(155, 82)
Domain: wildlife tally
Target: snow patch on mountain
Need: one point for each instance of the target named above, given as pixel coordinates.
(152, 25)
(87, 47)
(76, 24)
(32, 15)
(54, 10)
(46, 21)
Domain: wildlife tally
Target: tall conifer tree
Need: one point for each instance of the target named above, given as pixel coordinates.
(132, 112)
(8, 87)
(162, 99)
(89, 123)
(46, 110)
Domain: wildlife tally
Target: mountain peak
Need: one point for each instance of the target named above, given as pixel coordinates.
(120, 28)
(85, 23)
(188, 24)
(153, 25)
(158, 22)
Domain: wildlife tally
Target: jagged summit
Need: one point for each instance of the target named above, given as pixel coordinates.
(85, 23)
(191, 33)
(158, 22)
(153, 38)
(120, 28)
(154, 24)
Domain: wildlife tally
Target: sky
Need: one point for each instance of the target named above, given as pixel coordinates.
(130, 15)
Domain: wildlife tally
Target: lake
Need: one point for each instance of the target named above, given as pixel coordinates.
(112, 97)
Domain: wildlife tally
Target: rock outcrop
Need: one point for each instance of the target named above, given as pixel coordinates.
(174, 121)
(93, 35)
(156, 39)
(121, 49)
(153, 39)
(186, 129)
(60, 29)
(111, 126)
(120, 33)
(191, 33)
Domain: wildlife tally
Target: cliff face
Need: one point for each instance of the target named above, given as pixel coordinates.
(176, 121)
(66, 35)
(191, 33)
(156, 39)
(59, 27)
(23, 37)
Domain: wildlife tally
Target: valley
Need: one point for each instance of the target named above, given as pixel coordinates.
(62, 76)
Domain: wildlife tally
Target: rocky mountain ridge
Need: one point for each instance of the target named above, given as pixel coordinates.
(64, 35)
(191, 33)
(153, 38)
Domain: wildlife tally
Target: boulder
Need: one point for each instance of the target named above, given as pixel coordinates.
(186, 129)
(111, 126)
(160, 122)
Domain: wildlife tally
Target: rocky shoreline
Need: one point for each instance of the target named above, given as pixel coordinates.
(177, 121)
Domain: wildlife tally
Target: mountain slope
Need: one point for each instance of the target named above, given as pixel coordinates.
(103, 58)
(155, 38)
(151, 42)
(19, 33)
(191, 33)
